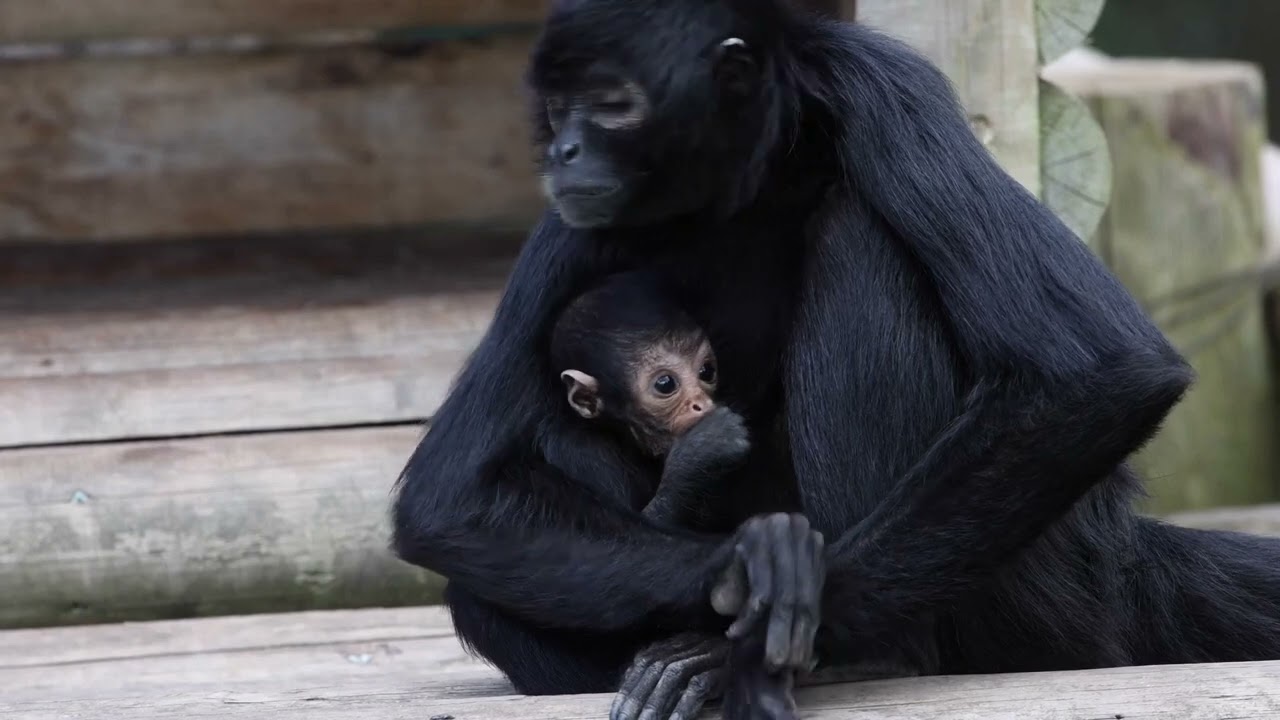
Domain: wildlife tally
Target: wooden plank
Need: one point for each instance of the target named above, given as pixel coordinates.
(988, 49)
(405, 663)
(48, 20)
(258, 653)
(94, 644)
(210, 526)
(1171, 692)
(223, 144)
(1186, 211)
(101, 343)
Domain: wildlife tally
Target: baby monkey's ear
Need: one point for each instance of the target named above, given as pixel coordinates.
(584, 393)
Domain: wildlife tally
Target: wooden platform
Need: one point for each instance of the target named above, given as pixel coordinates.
(406, 663)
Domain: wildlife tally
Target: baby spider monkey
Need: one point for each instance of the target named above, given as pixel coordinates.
(639, 367)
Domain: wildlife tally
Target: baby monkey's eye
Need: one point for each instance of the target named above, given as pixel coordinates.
(708, 373)
(665, 385)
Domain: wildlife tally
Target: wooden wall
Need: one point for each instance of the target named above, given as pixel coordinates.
(244, 247)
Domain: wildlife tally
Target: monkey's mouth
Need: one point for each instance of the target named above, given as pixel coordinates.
(586, 192)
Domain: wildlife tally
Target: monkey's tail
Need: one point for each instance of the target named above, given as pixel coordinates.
(1207, 595)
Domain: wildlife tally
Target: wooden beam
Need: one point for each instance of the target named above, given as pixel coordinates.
(222, 144)
(119, 342)
(988, 48)
(51, 20)
(1186, 212)
(209, 526)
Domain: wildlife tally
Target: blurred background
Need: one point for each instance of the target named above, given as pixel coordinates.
(244, 246)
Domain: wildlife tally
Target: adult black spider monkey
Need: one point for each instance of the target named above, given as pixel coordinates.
(959, 382)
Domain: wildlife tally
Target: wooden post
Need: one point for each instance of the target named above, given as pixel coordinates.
(1184, 232)
(988, 48)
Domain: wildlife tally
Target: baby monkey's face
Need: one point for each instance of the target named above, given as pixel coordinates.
(674, 384)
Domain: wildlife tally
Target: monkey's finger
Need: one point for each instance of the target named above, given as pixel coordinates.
(781, 630)
(810, 571)
(647, 686)
(702, 688)
(675, 682)
(634, 699)
(760, 581)
(625, 706)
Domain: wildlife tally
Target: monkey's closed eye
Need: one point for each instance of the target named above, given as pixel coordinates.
(665, 385)
(617, 100)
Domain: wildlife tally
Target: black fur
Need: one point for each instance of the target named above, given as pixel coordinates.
(959, 381)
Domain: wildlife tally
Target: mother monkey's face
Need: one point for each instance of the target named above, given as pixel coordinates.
(643, 111)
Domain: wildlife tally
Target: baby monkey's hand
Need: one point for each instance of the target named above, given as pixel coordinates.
(718, 439)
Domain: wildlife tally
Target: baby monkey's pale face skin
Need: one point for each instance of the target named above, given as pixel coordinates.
(675, 389)
(672, 388)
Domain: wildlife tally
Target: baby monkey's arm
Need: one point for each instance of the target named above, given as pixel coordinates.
(697, 460)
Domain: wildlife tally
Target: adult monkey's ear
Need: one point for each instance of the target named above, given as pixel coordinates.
(737, 69)
(584, 393)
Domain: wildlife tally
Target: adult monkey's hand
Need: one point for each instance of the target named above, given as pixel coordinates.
(776, 576)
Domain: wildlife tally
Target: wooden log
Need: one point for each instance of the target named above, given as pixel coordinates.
(223, 144)
(208, 526)
(1075, 167)
(54, 20)
(118, 342)
(1075, 164)
(1061, 25)
(988, 50)
(1186, 210)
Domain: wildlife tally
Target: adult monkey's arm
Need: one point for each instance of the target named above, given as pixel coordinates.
(1065, 375)
(478, 506)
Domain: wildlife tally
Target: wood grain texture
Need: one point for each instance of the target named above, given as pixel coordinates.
(1075, 162)
(1186, 210)
(1061, 25)
(210, 526)
(49, 20)
(988, 49)
(224, 144)
(116, 342)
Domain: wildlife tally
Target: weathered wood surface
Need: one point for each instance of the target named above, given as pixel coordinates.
(206, 526)
(114, 342)
(52, 20)
(1062, 25)
(1075, 162)
(988, 50)
(407, 664)
(223, 144)
(1186, 210)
